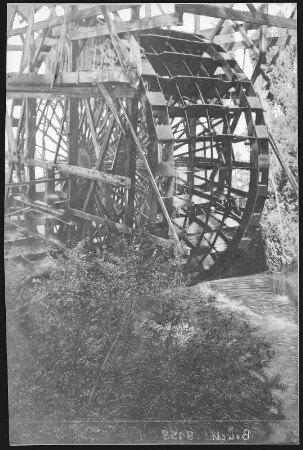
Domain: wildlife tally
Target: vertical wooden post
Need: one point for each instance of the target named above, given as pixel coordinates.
(72, 130)
(31, 143)
(196, 23)
(191, 156)
(132, 110)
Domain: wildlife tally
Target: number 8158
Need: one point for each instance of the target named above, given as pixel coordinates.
(178, 435)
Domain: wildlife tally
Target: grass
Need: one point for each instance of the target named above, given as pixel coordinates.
(119, 343)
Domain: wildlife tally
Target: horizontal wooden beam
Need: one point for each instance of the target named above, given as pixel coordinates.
(26, 91)
(78, 15)
(82, 172)
(101, 220)
(56, 21)
(45, 209)
(115, 75)
(148, 23)
(229, 38)
(212, 10)
(19, 91)
(121, 228)
(14, 48)
(278, 41)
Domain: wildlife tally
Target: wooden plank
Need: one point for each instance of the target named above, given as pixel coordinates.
(92, 128)
(45, 92)
(30, 142)
(82, 172)
(79, 15)
(10, 136)
(132, 107)
(246, 38)
(115, 75)
(211, 10)
(57, 21)
(121, 228)
(14, 48)
(100, 220)
(110, 104)
(44, 209)
(27, 56)
(148, 23)
(59, 48)
(61, 131)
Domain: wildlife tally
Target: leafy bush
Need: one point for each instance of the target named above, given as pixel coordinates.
(280, 233)
(118, 336)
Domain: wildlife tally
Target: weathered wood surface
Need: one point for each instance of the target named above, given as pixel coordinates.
(18, 91)
(45, 209)
(230, 44)
(116, 75)
(148, 23)
(120, 227)
(213, 10)
(91, 174)
(153, 182)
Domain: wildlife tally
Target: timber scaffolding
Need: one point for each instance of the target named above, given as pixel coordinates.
(117, 121)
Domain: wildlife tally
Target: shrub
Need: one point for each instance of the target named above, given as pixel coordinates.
(280, 234)
(118, 336)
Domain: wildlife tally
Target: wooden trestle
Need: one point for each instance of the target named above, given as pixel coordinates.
(133, 128)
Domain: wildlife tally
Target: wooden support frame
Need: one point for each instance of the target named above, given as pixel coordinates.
(119, 203)
(30, 143)
(132, 109)
(72, 128)
(121, 228)
(153, 182)
(113, 75)
(106, 138)
(82, 172)
(233, 14)
(74, 16)
(110, 104)
(148, 23)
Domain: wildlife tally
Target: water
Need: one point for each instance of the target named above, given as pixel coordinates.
(271, 304)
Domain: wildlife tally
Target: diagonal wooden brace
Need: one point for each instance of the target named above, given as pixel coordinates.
(154, 184)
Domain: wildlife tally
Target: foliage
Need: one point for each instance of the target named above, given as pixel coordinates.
(283, 116)
(280, 217)
(280, 234)
(175, 357)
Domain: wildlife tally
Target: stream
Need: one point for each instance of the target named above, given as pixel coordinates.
(271, 304)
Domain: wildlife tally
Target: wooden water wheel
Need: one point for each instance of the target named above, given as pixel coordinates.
(196, 172)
